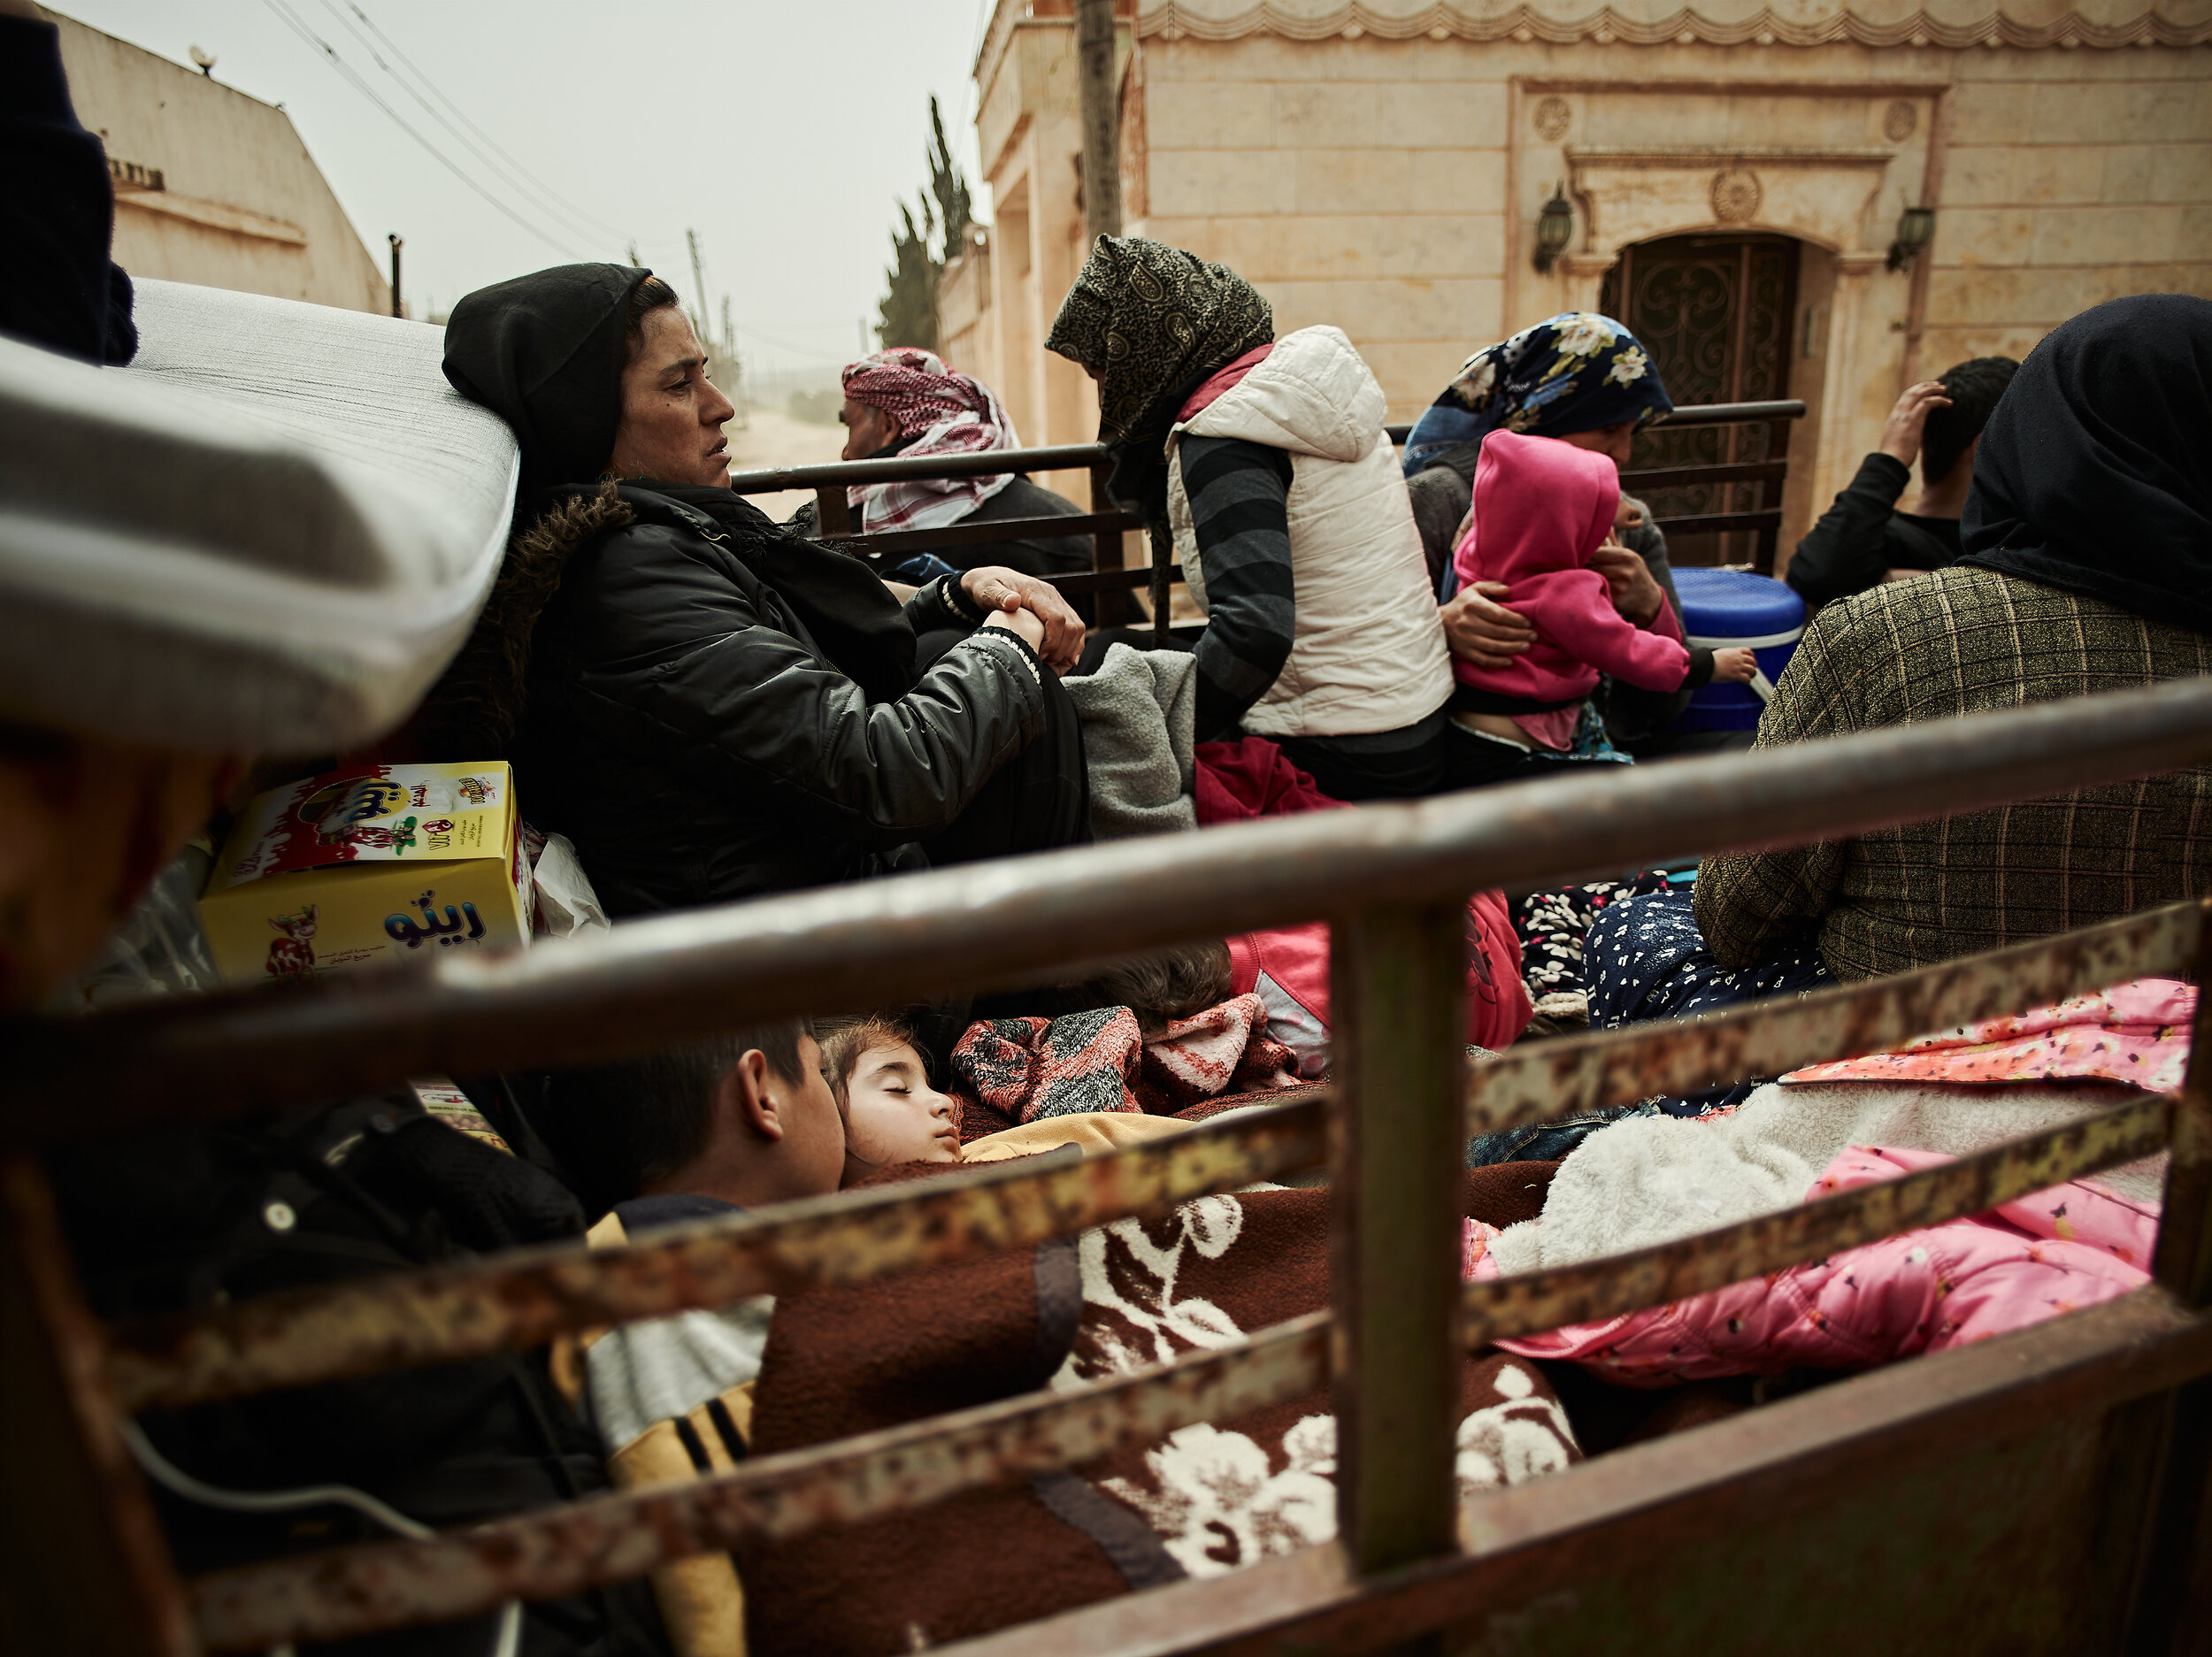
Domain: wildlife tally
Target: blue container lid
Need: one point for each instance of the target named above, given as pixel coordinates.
(1736, 604)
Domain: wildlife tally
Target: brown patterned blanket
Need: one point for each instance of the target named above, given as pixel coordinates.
(1063, 1316)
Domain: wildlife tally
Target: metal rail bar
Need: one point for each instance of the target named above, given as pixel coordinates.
(566, 1550)
(1536, 1301)
(1739, 472)
(893, 468)
(610, 1539)
(673, 978)
(1069, 457)
(1553, 1540)
(1692, 414)
(2184, 1264)
(525, 1298)
(1552, 1080)
(517, 1301)
(1398, 1007)
(970, 534)
(2171, 1586)
(1719, 523)
(1114, 581)
(1109, 553)
(81, 1546)
(1733, 413)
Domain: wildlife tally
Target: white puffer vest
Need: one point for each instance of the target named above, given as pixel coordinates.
(1369, 653)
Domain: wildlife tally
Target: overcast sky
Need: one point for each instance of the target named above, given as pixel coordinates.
(783, 131)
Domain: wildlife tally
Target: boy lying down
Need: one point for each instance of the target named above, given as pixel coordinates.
(768, 1115)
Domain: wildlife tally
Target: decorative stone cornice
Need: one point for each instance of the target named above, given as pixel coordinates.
(1822, 24)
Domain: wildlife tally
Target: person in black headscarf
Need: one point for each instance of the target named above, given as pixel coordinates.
(709, 706)
(2087, 567)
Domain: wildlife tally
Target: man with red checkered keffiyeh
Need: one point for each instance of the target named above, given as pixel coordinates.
(921, 407)
(908, 402)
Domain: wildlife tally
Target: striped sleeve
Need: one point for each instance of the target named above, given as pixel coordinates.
(1240, 496)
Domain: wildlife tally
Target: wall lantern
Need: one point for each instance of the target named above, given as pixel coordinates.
(1914, 226)
(1554, 228)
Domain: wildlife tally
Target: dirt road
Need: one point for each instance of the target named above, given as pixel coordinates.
(774, 439)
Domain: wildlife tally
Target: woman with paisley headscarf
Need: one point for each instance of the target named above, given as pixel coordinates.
(1584, 379)
(1266, 462)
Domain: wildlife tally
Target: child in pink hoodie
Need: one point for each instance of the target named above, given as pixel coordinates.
(1542, 506)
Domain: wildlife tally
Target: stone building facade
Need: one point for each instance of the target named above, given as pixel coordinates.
(1735, 174)
(211, 186)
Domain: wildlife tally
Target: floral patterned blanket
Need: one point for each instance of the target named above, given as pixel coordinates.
(1066, 1316)
(2136, 1032)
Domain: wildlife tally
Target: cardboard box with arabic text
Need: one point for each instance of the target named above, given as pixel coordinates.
(371, 865)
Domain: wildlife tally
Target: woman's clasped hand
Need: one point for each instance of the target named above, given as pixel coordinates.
(1031, 608)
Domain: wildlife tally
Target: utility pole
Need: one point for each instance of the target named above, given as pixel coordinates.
(397, 245)
(732, 377)
(1101, 94)
(698, 283)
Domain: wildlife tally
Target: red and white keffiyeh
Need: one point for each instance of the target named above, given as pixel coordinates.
(941, 412)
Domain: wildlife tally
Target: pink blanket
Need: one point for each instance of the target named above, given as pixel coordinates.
(2073, 1246)
(2137, 1033)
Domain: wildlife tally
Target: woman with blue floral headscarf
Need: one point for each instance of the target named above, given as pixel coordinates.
(1584, 379)
(1574, 375)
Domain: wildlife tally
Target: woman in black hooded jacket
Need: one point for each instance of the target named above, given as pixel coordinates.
(709, 706)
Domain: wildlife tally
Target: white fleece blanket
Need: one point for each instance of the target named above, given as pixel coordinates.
(1139, 711)
(1646, 1181)
(269, 535)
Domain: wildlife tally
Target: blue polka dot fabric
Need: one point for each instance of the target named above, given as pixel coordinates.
(1644, 958)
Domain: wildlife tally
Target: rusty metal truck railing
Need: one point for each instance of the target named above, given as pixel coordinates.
(1110, 583)
(86, 1568)
(1763, 525)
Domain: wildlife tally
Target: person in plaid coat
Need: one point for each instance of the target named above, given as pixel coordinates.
(2087, 567)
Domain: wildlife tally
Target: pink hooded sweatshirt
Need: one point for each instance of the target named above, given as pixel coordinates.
(1541, 507)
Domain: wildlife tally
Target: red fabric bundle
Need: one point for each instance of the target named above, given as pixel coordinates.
(1288, 967)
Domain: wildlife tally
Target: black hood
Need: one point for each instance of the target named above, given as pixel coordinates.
(545, 353)
(2093, 475)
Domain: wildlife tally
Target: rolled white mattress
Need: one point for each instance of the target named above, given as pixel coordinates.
(268, 534)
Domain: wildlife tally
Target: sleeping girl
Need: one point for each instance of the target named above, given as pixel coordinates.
(894, 1118)
(1541, 509)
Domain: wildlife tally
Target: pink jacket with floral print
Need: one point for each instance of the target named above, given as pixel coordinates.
(2073, 1246)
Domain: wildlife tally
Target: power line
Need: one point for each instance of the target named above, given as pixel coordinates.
(709, 281)
(353, 79)
(553, 215)
(795, 350)
(576, 216)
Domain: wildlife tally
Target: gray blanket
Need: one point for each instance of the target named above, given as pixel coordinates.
(1137, 714)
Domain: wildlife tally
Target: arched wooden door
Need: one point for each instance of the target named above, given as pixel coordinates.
(1713, 313)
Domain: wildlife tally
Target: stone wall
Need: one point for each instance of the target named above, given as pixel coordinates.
(2071, 178)
(1391, 187)
(214, 186)
(1382, 167)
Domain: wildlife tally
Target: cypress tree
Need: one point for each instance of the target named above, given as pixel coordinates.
(907, 314)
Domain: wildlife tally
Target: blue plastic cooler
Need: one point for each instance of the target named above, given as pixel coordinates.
(1725, 608)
